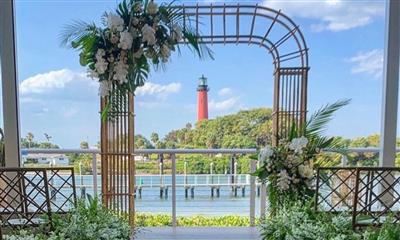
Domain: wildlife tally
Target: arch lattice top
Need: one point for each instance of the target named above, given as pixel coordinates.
(250, 24)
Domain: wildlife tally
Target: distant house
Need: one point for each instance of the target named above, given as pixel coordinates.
(40, 158)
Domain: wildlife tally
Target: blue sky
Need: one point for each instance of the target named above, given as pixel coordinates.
(346, 51)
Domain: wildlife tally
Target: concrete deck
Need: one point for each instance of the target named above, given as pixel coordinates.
(198, 233)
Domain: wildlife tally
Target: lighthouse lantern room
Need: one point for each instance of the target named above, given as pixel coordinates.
(202, 99)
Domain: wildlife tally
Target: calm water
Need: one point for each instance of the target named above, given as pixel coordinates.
(202, 203)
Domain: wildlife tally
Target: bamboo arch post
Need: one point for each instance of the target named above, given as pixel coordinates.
(117, 158)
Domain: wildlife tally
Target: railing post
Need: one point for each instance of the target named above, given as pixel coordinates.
(253, 166)
(173, 159)
(94, 171)
(263, 195)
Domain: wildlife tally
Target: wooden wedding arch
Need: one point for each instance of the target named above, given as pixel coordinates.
(257, 25)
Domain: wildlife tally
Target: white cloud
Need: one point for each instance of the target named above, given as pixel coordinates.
(161, 91)
(332, 15)
(225, 92)
(223, 105)
(50, 81)
(370, 62)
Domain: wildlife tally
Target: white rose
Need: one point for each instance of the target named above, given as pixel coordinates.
(148, 35)
(125, 42)
(115, 22)
(152, 8)
(306, 171)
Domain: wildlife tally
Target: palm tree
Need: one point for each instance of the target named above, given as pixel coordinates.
(154, 138)
(48, 137)
(29, 138)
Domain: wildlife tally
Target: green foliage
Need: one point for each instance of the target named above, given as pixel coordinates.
(81, 162)
(299, 222)
(388, 231)
(159, 220)
(31, 143)
(88, 221)
(245, 129)
(142, 143)
(84, 145)
(91, 221)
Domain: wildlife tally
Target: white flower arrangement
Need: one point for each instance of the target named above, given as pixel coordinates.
(140, 33)
(288, 164)
(288, 168)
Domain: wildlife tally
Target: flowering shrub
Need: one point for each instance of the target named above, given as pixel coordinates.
(140, 33)
(288, 168)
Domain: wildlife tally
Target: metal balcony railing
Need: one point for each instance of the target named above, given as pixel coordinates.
(209, 180)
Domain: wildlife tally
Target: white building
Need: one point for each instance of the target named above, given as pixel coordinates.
(39, 158)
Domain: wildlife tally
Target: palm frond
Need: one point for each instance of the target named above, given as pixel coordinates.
(194, 43)
(75, 31)
(318, 121)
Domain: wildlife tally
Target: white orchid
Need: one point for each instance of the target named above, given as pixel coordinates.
(283, 180)
(125, 42)
(265, 154)
(152, 7)
(298, 144)
(115, 22)
(101, 64)
(148, 34)
(121, 72)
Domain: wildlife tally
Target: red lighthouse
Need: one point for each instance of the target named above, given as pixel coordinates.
(202, 99)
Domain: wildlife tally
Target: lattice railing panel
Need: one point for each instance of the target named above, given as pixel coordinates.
(26, 195)
(62, 189)
(335, 189)
(377, 196)
(371, 195)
